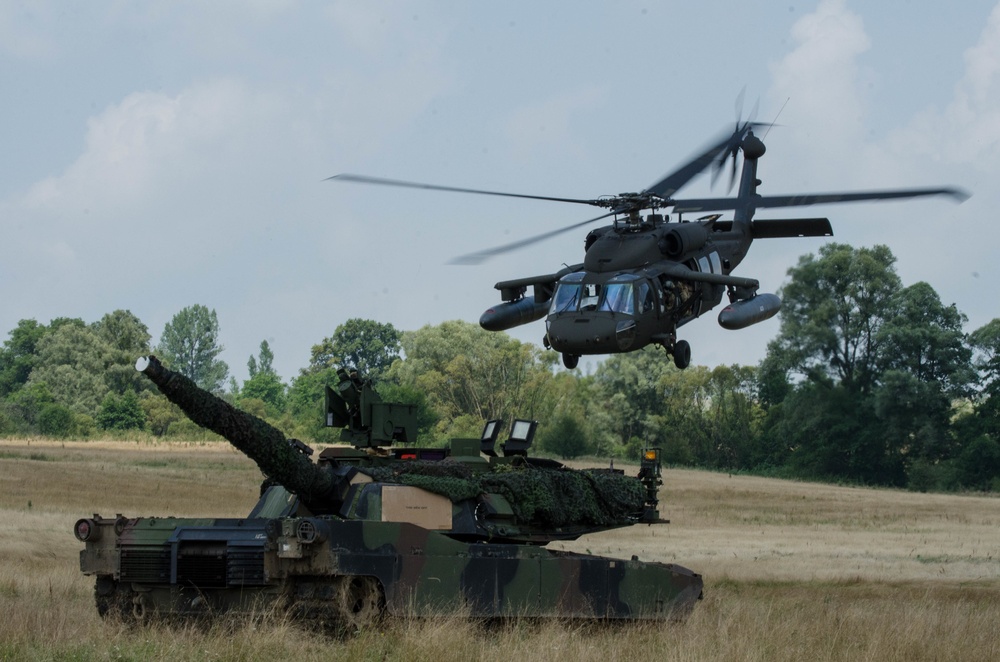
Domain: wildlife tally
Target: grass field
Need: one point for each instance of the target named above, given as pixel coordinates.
(793, 571)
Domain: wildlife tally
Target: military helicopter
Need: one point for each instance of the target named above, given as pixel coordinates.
(643, 277)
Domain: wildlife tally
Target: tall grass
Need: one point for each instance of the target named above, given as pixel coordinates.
(792, 571)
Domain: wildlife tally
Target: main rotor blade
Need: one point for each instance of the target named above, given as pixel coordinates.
(482, 256)
(806, 199)
(671, 183)
(363, 179)
(831, 198)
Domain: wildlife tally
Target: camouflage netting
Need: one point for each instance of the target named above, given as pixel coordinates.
(547, 497)
(544, 497)
(263, 443)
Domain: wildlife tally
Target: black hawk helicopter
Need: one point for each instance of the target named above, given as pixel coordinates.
(643, 277)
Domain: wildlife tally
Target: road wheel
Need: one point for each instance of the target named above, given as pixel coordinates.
(114, 601)
(358, 602)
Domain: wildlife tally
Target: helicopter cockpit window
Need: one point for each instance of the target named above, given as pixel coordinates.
(646, 299)
(566, 298)
(591, 293)
(618, 298)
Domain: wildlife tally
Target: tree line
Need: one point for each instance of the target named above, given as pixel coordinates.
(868, 381)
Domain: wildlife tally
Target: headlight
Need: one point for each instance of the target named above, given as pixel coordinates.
(308, 531)
(86, 530)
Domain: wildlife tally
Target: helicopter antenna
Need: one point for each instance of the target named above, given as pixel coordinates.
(775, 118)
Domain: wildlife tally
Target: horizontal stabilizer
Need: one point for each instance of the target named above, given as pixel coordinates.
(784, 228)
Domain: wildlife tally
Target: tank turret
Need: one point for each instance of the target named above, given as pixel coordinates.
(511, 497)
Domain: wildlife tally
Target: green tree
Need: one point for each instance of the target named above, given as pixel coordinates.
(634, 391)
(833, 432)
(25, 404)
(366, 345)
(883, 365)
(190, 345)
(697, 416)
(568, 393)
(914, 417)
(467, 371)
(978, 466)
(305, 405)
(160, 413)
(128, 338)
(833, 308)
(565, 436)
(264, 383)
(17, 356)
(925, 365)
(986, 343)
(733, 418)
(72, 361)
(923, 337)
(121, 412)
(124, 332)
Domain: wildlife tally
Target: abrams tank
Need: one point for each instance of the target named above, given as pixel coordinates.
(379, 526)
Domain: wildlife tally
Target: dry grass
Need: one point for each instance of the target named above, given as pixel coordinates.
(792, 570)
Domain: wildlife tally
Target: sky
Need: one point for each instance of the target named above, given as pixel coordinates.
(160, 155)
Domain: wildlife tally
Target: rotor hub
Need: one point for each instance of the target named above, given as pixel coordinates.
(753, 147)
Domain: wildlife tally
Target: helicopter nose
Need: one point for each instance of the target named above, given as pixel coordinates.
(578, 334)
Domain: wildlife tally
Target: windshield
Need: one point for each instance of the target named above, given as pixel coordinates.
(566, 297)
(591, 293)
(618, 298)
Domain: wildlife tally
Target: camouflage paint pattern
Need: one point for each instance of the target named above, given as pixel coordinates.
(190, 566)
(421, 531)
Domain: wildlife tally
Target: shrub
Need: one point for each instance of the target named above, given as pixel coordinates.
(55, 420)
(121, 412)
(565, 437)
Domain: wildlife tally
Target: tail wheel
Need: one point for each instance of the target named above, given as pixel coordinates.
(358, 602)
(682, 354)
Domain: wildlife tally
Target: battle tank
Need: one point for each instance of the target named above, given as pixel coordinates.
(375, 528)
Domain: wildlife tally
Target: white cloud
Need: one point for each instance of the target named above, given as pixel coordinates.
(967, 130)
(141, 151)
(820, 75)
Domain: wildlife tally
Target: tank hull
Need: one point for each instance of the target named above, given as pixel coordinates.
(350, 572)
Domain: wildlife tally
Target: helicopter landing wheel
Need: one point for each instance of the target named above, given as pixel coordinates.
(571, 360)
(682, 354)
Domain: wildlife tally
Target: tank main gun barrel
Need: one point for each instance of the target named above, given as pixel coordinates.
(277, 456)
